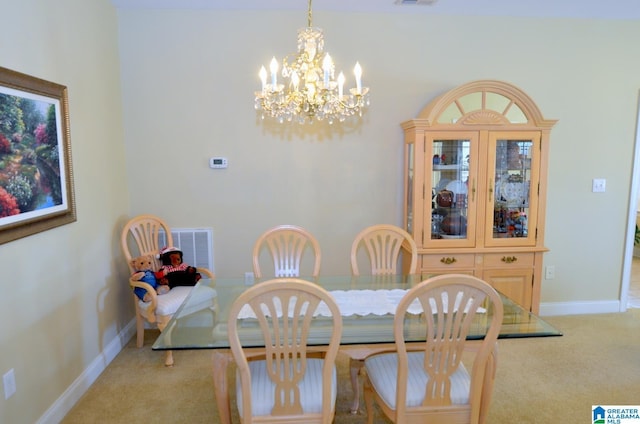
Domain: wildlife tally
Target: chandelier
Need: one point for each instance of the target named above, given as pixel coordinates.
(309, 90)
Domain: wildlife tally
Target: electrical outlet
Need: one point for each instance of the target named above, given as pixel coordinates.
(248, 278)
(550, 272)
(599, 185)
(9, 380)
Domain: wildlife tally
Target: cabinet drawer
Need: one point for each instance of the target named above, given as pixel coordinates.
(451, 260)
(501, 260)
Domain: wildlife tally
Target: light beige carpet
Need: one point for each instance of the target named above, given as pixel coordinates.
(539, 380)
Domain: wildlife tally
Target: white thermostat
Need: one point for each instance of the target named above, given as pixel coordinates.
(218, 162)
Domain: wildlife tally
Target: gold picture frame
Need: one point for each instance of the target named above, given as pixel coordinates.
(36, 177)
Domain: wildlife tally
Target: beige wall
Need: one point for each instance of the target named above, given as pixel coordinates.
(63, 301)
(189, 76)
(187, 79)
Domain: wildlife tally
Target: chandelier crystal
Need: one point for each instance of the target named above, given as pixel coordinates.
(309, 89)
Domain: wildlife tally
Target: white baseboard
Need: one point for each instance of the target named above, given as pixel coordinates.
(74, 392)
(579, 308)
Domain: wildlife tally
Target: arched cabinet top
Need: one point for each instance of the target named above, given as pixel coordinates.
(483, 103)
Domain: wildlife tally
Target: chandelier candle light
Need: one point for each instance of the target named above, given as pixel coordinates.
(310, 89)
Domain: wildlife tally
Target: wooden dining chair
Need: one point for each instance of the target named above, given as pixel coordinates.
(383, 244)
(432, 384)
(286, 245)
(288, 385)
(141, 236)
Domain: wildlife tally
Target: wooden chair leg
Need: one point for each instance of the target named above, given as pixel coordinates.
(221, 361)
(355, 365)
(368, 399)
(489, 380)
(139, 331)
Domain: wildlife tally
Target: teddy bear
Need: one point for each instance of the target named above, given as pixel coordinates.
(174, 272)
(144, 271)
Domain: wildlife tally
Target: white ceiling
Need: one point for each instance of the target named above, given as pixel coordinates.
(594, 9)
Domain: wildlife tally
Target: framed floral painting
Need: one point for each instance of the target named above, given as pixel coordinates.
(36, 178)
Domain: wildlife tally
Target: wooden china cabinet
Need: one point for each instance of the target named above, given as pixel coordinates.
(475, 186)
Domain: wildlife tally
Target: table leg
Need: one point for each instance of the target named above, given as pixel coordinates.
(355, 365)
(221, 361)
(357, 354)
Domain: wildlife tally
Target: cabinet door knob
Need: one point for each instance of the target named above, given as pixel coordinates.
(509, 259)
(448, 261)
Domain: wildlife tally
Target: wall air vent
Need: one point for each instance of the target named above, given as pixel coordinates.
(196, 245)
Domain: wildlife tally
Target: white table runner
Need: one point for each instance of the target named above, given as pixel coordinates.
(364, 302)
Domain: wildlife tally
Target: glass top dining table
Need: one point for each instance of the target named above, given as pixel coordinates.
(367, 303)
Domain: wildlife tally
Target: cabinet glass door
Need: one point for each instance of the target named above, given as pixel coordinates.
(512, 188)
(451, 184)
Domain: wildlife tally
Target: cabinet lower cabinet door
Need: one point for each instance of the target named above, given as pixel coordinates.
(516, 284)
